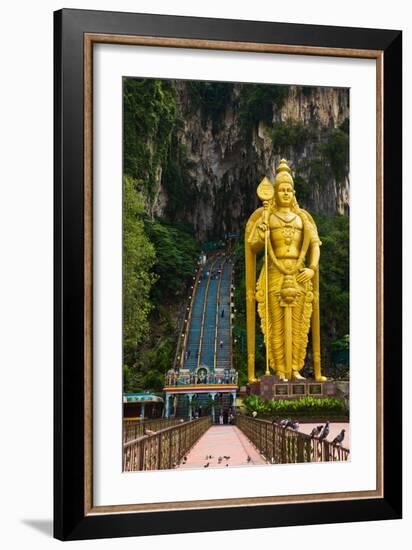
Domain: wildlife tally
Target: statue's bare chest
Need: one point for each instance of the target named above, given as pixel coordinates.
(286, 232)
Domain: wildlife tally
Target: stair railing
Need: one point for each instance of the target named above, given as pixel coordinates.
(217, 314)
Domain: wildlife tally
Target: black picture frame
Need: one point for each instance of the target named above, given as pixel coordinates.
(71, 521)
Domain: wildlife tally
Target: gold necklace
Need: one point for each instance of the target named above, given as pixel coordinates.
(288, 230)
(288, 219)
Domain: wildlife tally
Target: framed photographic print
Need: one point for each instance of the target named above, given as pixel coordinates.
(227, 274)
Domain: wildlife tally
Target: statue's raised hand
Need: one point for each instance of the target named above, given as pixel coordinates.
(262, 228)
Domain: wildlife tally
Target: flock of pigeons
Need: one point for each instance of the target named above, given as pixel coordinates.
(220, 459)
(320, 432)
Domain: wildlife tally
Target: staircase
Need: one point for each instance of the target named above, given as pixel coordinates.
(205, 366)
(208, 334)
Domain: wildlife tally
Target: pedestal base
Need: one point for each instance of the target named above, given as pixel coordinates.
(270, 387)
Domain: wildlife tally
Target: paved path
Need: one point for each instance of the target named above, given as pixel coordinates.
(222, 441)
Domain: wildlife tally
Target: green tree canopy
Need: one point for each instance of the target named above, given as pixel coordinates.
(138, 259)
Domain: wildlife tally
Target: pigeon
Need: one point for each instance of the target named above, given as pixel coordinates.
(220, 459)
(248, 459)
(320, 428)
(227, 465)
(206, 465)
(315, 431)
(325, 432)
(295, 426)
(226, 457)
(288, 424)
(339, 438)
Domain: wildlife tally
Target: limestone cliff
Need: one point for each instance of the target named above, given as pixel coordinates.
(226, 137)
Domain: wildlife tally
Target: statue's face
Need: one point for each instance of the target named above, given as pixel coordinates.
(284, 194)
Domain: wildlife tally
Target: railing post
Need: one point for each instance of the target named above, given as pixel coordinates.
(300, 447)
(141, 457)
(159, 450)
(170, 432)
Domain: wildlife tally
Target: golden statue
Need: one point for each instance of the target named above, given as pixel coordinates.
(287, 290)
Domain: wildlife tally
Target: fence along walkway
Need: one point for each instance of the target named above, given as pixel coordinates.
(132, 429)
(285, 446)
(196, 444)
(165, 448)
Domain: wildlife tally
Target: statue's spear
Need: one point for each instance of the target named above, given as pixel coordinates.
(265, 192)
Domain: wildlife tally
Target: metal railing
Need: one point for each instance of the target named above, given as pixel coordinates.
(181, 347)
(222, 268)
(132, 429)
(285, 446)
(164, 449)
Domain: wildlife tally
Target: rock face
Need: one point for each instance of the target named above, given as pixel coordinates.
(224, 161)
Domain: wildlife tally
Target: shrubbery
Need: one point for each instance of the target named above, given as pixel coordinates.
(305, 406)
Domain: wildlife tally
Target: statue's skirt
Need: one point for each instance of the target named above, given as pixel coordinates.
(285, 292)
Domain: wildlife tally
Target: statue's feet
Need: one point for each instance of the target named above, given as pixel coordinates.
(320, 378)
(297, 376)
(281, 376)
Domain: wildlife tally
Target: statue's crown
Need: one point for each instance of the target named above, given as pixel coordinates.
(283, 174)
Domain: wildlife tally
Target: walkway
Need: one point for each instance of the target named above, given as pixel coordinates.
(222, 441)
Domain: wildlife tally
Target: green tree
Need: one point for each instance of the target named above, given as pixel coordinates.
(138, 259)
(176, 255)
(334, 277)
(336, 151)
